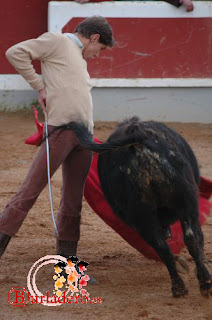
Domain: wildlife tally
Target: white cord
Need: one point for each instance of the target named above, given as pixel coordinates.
(49, 178)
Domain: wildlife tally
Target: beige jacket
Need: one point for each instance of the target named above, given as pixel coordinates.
(65, 76)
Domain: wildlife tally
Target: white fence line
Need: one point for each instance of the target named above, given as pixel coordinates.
(59, 13)
(16, 82)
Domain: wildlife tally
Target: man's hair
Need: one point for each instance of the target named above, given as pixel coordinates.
(94, 25)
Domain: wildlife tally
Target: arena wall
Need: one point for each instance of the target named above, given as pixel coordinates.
(160, 69)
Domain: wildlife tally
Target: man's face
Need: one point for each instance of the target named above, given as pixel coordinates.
(92, 47)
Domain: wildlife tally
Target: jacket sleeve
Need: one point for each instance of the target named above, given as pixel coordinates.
(22, 54)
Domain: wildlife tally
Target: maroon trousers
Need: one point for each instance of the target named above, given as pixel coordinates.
(64, 149)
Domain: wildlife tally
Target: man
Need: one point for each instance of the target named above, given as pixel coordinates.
(64, 95)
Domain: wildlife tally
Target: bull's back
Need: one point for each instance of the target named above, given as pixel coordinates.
(154, 168)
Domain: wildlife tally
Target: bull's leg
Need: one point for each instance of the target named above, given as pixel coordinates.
(194, 241)
(151, 233)
(163, 250)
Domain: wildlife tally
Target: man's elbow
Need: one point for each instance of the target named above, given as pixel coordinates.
(10, 53)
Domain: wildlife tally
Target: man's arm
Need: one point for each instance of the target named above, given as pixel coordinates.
(177, 3)
(21, 55)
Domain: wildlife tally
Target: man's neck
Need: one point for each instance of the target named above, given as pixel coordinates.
(75, 38)
(82, 39)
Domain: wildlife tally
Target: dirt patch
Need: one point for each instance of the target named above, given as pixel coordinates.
(130, 286)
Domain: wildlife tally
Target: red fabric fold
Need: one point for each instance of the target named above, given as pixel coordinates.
(37, 137)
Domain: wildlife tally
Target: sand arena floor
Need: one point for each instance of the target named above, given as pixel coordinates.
(131, 287)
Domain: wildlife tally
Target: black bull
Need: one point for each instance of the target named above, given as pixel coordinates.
(149, 176)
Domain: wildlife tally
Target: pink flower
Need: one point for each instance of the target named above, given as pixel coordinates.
(86, 277)
(82, 268)
(83, 292)
(82, 283)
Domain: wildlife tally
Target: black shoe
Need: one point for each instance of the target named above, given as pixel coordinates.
(4, 240)
(66, 248)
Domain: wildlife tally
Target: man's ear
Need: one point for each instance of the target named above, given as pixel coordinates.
(94, 37)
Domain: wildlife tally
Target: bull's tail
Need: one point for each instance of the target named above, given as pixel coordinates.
(86, 138)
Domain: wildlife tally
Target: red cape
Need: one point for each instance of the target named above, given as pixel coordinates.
(94, 196)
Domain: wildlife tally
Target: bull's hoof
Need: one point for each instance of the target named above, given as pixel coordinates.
(179, 289)
(181, 264)
(206, 289)
(180, 292)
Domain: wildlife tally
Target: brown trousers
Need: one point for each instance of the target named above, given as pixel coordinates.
(64, 149)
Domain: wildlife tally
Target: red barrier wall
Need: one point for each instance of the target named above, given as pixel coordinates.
(20, 20)
(145, 48)
(155, 48)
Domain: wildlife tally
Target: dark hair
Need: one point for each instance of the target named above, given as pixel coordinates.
(96, 25)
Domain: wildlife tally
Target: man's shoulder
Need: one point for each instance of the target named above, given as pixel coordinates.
(53, 36)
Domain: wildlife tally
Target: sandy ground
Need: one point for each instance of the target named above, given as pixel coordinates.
(131, 287)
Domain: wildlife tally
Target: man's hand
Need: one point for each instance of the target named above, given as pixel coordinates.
(188, 4)
(42, 99)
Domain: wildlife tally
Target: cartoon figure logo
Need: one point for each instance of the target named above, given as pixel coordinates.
(70, 278)
(72, 272)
